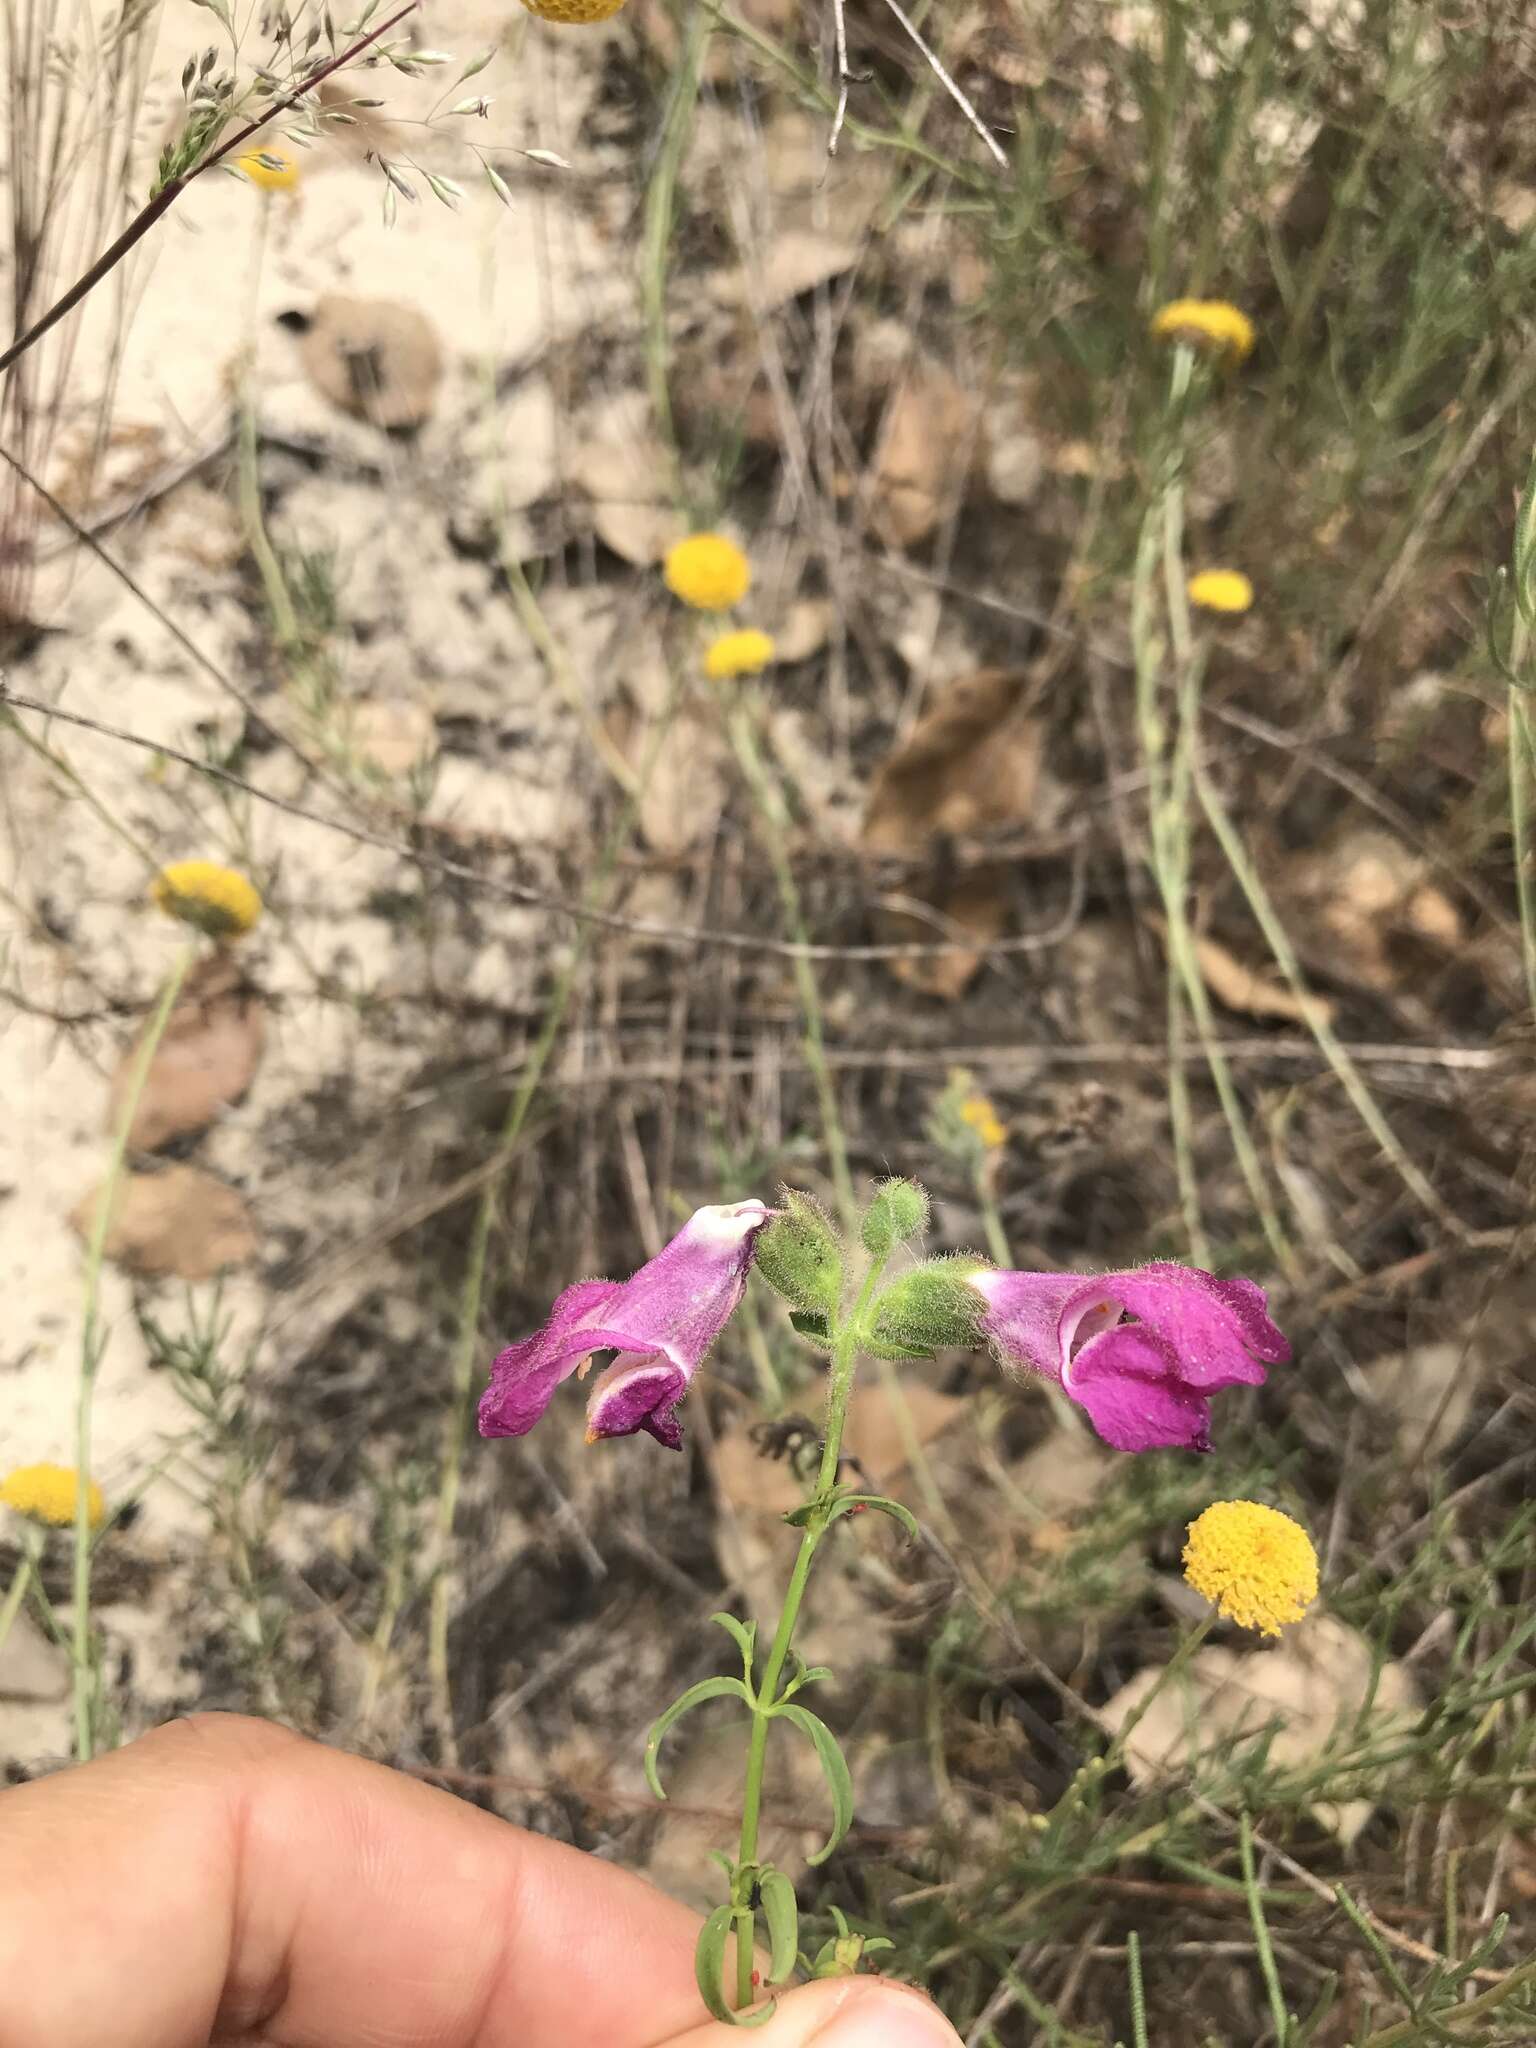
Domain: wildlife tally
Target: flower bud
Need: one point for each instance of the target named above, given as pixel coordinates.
(928, 1309)
(899, 1211)
(801, 1256)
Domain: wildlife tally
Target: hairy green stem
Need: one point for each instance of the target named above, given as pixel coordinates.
(1521, 754)
(92, 1350)
(844, 1366)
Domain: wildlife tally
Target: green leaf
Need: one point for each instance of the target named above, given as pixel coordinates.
(744, 1636)
(782, 1913)
(845, 1503)
(709, 1965)
(709, 1961)
(814, 1329)
(834, 1767)
(695, 1696)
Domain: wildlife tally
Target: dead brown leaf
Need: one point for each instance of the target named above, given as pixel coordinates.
(923, 452)
(970, 766)
(205, 1060)
(1243, 988)
(1319, 1675)
(1369, 887)
(626, 472)
(377, 359)
(685, 791)
(178, 1221)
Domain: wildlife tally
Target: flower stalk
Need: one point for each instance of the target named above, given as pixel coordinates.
(846, 1345)
(92, 1350)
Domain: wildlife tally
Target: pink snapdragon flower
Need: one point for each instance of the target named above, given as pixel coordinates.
(661, 1322)
(1140, 1351)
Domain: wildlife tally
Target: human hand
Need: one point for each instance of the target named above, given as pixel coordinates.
(223, 1881)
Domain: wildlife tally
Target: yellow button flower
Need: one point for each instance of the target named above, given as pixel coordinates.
(272, 169)
(1255, 1564)
(1220, 590)
(217, 900)
(746, 653)
(978, 1112)
(707, 571)
(573, 10)
(47, 1494)
(1212, 324)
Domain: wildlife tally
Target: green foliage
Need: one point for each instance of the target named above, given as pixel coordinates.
(834, 1768)
(695, 1696)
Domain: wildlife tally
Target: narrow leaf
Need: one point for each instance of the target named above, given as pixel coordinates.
(709, 1961)
(845, 1503)
(695, 1696)
(782, 1913)
(709, 1966)
(834, 1767)
(744, 1636)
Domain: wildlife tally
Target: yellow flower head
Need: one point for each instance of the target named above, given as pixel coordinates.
(217, 900)
(1255, 1564)
(47, 1494)
(573, 10)
(272, 169)
(978, 1112)
(1221, 590)
(707, 571)
(1210, 324)
(746, 653)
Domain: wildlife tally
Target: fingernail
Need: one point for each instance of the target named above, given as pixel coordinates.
(885, 2016)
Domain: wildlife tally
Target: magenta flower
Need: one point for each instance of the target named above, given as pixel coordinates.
(1143, 1381)
(660, 1321)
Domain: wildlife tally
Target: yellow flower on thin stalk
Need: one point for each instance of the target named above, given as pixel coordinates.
(272, 169)
(978, 1112)
(707, 571)
(46, 1493)
(1256, 1565)
(1211, 324)
(577, 12)
(1220, 590)
(218, 900)
(746, 653)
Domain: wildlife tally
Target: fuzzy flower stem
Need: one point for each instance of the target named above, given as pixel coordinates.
(1169, 844)
(844, 1366)
(92, 1350)
(1522, 753)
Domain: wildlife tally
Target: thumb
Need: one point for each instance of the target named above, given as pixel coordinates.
(839, 2012)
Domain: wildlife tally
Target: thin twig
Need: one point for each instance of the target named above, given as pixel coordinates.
(538, 899)
(930, 58)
